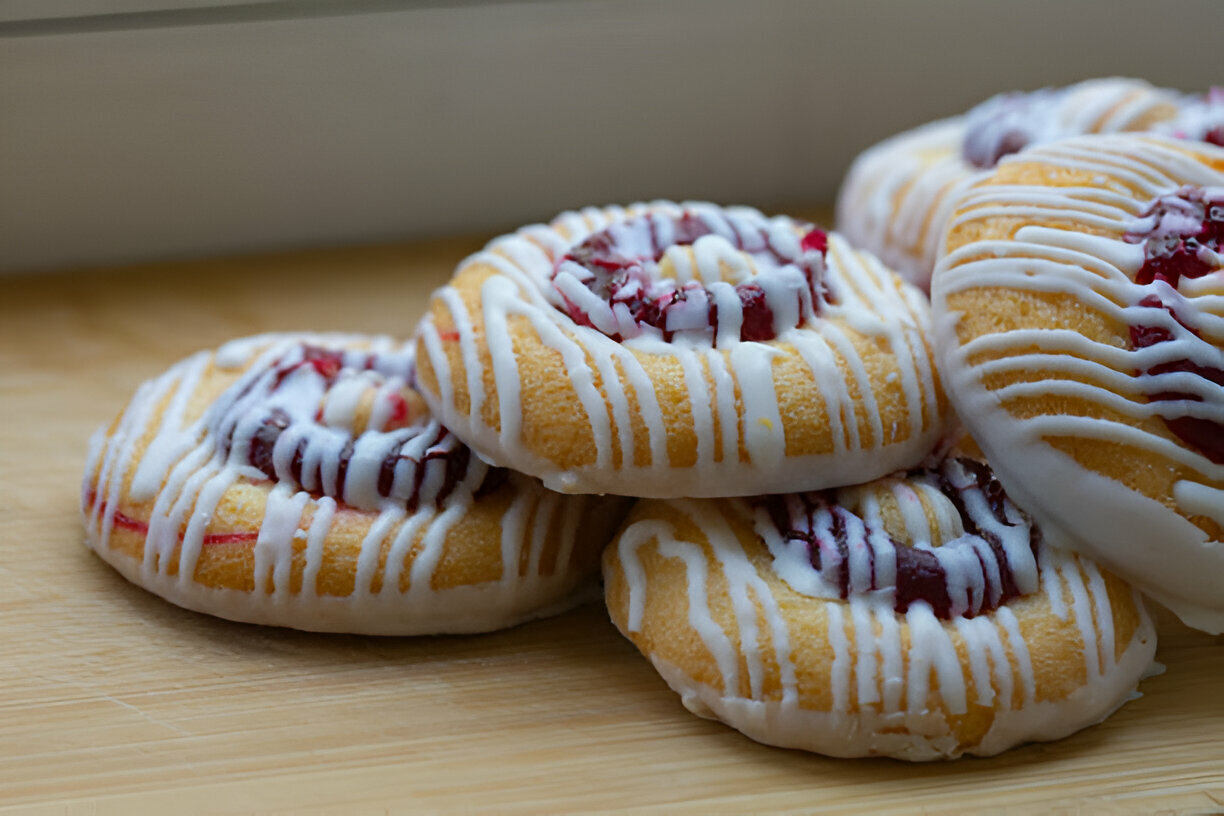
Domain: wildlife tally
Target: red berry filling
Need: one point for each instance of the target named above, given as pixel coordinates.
(830, 532)
(1005, 124)
(619, 265)
(321, 458)
(126, 522)
(1182, 236)
(1201, 118)
(325, 362)
(123, 521)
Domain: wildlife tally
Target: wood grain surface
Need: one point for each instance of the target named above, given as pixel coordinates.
(112, 701)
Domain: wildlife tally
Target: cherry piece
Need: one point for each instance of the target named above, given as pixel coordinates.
(920, 576)
(1181, 236)
(276, 422)
(627, 278)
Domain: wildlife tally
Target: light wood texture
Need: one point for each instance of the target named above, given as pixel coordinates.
(112, 700)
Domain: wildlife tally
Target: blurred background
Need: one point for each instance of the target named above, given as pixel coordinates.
(140, 130)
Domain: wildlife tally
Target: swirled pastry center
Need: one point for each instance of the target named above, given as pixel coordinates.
(957, 543)
(1182, 235)
(342, 424)
(1201, 118)
(1004, 125)
(701, 275)
(1010, 122)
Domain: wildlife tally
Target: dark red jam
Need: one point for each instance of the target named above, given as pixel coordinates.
(1202, 118)
(1003, 125)
(123, 521)
(921, 574)
(620, 266)
(444, 458)
(126, 522)
(1181, 236)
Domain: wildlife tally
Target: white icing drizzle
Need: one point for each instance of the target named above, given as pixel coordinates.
(730, 384)
(688, 268)
(983, 558)
(1198, 117)
(899, 194)
(893, 677)
(188, 464)
(1009, 122)
(1148, 540)
(1200, 500)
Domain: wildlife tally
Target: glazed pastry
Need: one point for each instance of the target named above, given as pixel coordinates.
(1199, 118)
(1080, 322)
(682, 350)
(299, 480)
(919, 617)
(897, 196)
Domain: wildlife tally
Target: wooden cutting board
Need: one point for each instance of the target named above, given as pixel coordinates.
(112, 700)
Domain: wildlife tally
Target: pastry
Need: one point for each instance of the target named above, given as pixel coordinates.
(1080, 331)
(897, 196)
(919, 617)
(1199, 118)
(682, 350)
(299, 480)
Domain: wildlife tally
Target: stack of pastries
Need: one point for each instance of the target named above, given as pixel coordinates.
(833, 512)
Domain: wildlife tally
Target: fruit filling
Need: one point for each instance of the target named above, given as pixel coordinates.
(697, 275)
(1182, 236)
(1201, 118)
(1007, 124)
(342, 424)
(989, 560)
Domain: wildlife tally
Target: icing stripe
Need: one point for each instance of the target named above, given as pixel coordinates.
(898, 195)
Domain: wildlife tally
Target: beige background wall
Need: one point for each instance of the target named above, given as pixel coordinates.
(181, 129)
